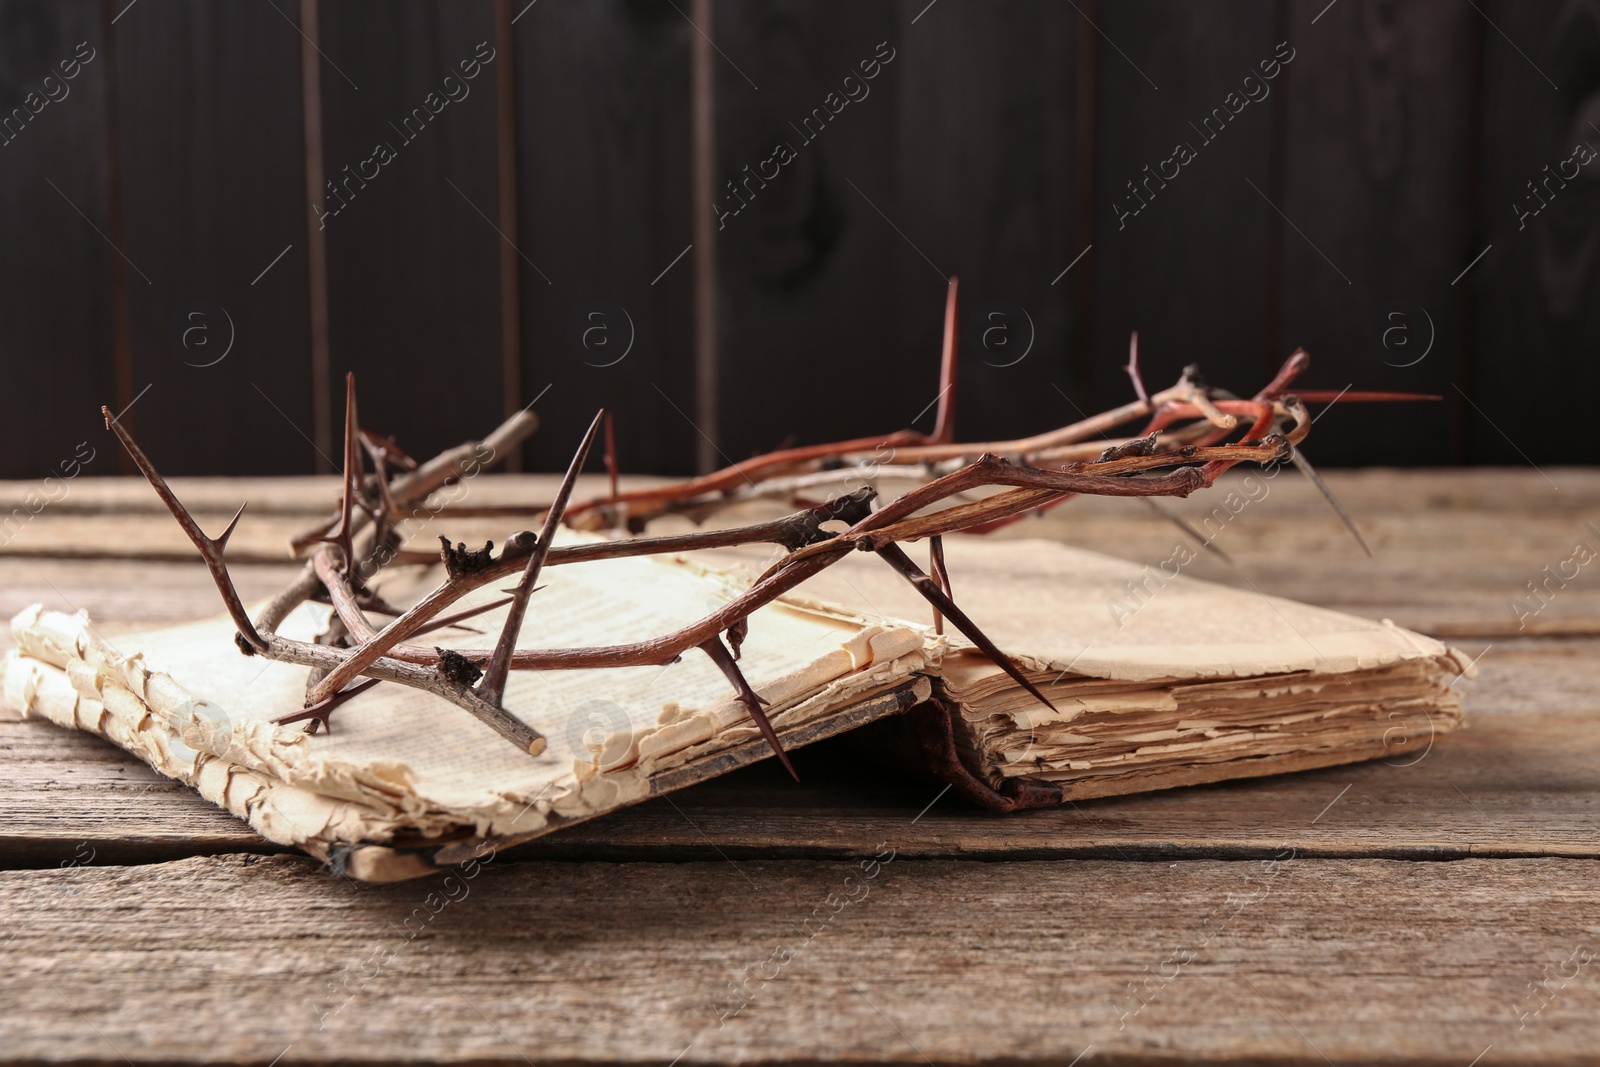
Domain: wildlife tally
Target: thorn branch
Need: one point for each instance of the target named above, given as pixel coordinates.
(748, 697)
(493, 686)
(211, 548)
(897, 558)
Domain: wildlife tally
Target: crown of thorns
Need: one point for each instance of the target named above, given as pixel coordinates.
(1192, 435)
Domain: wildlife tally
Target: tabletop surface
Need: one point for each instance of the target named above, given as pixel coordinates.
(1438, 909)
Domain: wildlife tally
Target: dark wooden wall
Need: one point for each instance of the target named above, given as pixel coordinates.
(529, 235)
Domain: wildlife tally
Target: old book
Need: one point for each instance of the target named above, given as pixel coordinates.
(1156, 681)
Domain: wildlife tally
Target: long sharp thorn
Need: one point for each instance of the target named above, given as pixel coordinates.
(463, 615)
(211, 548)
(1133, 368)
(222, 538)
(896, 557)
(493, 686)
(1188, 527)
(1322, 487)
(748, 697)
(322, 711)
(1327, 396)
(352, 424)
(940, 575)
(944, 423)
(611, 454)
(352, 471)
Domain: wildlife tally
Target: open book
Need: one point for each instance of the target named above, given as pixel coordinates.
(1156, 682)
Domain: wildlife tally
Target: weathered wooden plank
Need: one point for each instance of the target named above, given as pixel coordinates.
(1378, 128)
(87, 801)
(1380, 491)
(1449, 559)
(54, 132)
(1290, 960)
(1454, 549)
(602, 103)
(1520, 779)
(121, 596)
(838, 237)
(132, 495)
(212, 202)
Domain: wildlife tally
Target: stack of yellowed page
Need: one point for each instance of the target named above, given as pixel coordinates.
(1160, 680)
(1197, 683)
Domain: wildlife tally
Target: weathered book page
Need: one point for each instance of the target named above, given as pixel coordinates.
(399, 760)
(1058, 608)
(1108, 737)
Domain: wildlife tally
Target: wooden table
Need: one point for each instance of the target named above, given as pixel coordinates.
(1441, 910)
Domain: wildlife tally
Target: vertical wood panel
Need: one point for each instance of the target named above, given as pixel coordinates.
(960, 159)
(321, 385)
(1378, 129)
(55, 270)
(505, 93)
(604, 205)
(808, 270)
(1190, 270)
(1538, 289)
(972, 151)
(1081, 360)
(703, 182)
(413, 257)
(987, 174)
(210, 145)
